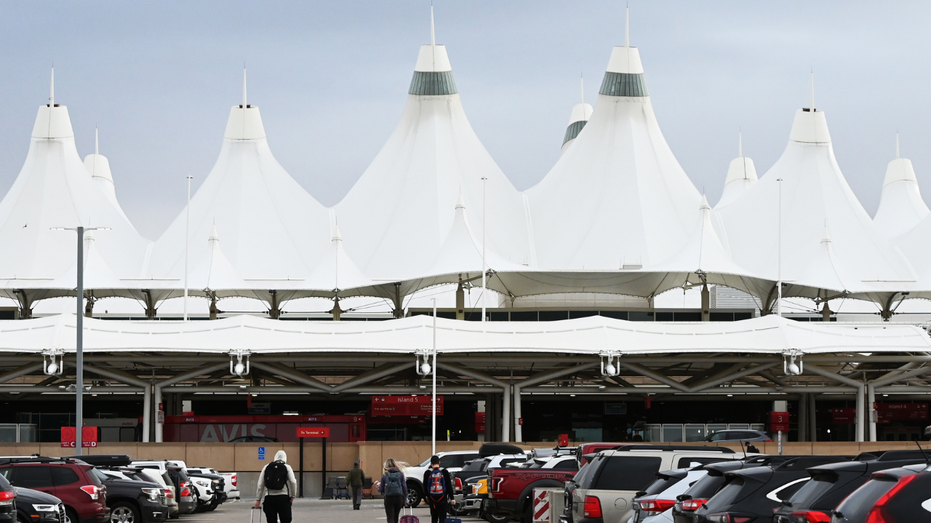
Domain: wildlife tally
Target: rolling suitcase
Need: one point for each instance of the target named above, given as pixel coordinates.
(252, 515)
(410, 518)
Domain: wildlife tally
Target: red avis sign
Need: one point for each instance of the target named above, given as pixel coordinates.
(313, 432)
(69, 437)
(405, 405)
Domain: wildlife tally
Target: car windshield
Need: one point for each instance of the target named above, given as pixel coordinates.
(103, 477)
(705, 487)
(811, 491)
(661, 484)
(727, 496)
(424, 463)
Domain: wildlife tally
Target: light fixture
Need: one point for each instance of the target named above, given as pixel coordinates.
(792, 364)
(608, 368)
(52, 364)
(422, 363)
(239, 362)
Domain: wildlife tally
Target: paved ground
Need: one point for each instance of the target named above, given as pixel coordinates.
(308, 511)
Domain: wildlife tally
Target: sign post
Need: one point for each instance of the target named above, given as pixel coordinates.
(313, 432)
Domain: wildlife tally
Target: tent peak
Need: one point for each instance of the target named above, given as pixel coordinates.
(704, 203)
(810, 127)
(214, 236)
(337, 236)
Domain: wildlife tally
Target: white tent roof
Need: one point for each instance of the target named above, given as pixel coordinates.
(622, 198)
(54, 189)
(273, 231)
(741, 175)
(336, 270)
(579, 116)
(901, 207)
(815, 196)
(592, 335)
(394, 220)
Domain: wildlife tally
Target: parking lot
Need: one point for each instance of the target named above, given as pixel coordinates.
(308, 510)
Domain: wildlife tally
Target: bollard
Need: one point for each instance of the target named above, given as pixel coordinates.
(547, 504)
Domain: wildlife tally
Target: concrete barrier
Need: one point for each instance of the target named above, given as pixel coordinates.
(547, 504)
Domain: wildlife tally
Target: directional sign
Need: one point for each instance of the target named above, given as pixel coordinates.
(88, 437)
(313, 432)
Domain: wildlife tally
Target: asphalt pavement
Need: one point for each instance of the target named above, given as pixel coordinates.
(308, 511)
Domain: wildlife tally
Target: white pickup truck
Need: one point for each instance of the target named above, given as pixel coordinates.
(230, 485)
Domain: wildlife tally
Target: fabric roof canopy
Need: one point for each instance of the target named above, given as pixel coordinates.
(592, 335)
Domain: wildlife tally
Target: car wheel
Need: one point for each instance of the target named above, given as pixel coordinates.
(496, 518)
(71, 516)
(213, 505)
(123, 512)
(414, 495)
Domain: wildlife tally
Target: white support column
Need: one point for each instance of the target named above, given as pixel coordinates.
(146, 413)
(870, 409)
(861, 412)
(518, 429)
(159, 426)
(506, 414)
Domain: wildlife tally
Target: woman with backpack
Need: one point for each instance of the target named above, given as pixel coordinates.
(393, 487)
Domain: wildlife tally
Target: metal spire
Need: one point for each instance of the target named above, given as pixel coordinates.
(51, 97)
(432, 27)
(897, 145)
(627, 27)
(740, 144)
(812, 90)
(582, 88)
(96, 142)
(244, 86)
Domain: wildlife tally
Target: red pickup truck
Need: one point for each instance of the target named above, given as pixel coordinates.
(510, 490)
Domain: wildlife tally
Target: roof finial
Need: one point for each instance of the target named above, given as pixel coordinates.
(627, 27)
(897, 145)
(740, 144)
(96, 141)
(432, 27)
(244, 85)
(812, 89)
(51, 96)
(582, 88)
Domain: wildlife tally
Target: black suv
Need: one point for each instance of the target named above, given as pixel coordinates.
(7, 502)
(38, 507)
(897, 495)
(831, 483)
(750, 495)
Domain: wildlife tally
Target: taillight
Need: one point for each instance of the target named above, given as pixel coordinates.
(592, 507)
(169, 493)
(693, 504)
(91, 490)
(6, 498)
(879, 513)
(729, 518)
(185, 492)
(656, 505)
(810, 516)
(234, 479)
(458, 484)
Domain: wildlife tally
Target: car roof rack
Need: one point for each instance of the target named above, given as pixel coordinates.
(34, 459)
(696, 448)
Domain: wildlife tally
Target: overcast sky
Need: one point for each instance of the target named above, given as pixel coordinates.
(331, 78)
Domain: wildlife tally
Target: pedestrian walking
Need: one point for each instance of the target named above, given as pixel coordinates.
(439, 489)
(356, 479)
(278, 485)
(394, 488)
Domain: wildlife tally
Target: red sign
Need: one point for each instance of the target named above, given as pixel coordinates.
(889, 412)
(313, 432)
(88, 437)
(480, 422)
(779, 421)
(563, 440)
(405, 405)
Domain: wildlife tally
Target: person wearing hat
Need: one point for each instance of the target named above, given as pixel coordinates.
(355, 480)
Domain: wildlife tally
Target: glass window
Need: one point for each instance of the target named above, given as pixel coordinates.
(727, 496)
(811, 491)
(433, 83)
(788, 491)
(623, 84)
(6, 473)
(567, 464)
(64, 476)
(688, 462)
(571, 132)
(586, 474)
(661, 484)
(32, 476)
(628, 472)
(448, 461)
(672, 432)
(855, 507)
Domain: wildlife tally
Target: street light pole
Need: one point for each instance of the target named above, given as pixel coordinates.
(434, 378)
(187, 237)
(79, 341)
(484, 183)
(779, 254)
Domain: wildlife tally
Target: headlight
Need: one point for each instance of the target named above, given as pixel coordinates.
(45, 508)
(152, 493)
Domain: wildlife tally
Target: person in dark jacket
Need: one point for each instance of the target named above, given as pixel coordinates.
(393, 486)
(438, 487)
(355, 480)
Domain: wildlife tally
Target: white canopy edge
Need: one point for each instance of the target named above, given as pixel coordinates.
(589, 336)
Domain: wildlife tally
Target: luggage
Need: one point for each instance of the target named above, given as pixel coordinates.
(252, 515)
(410, 518)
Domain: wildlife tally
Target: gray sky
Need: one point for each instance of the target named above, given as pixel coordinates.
(331, 79)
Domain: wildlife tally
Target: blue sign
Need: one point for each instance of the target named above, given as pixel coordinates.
(261, 453)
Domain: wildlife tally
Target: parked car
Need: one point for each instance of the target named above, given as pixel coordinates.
(830, 484)
(603, 490)
(897, 495)
(7, 502)
(451, 461)
(71, 481)
(38, 507)
(474, 476)
(130, 500)
(652, 504)
(723, 436)
(231, 480)
(204, 488)
(699, 493)
(183, 491)
(752, 494)
(151, 476)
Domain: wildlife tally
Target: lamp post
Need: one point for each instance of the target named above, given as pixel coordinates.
(779, 254)
(484, 183)
(187, 229)
(434, 378)
(79, 342)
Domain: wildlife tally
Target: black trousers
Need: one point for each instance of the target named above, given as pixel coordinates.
(277, 508)
(438, 509)
(356, 496)
(393, 507)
